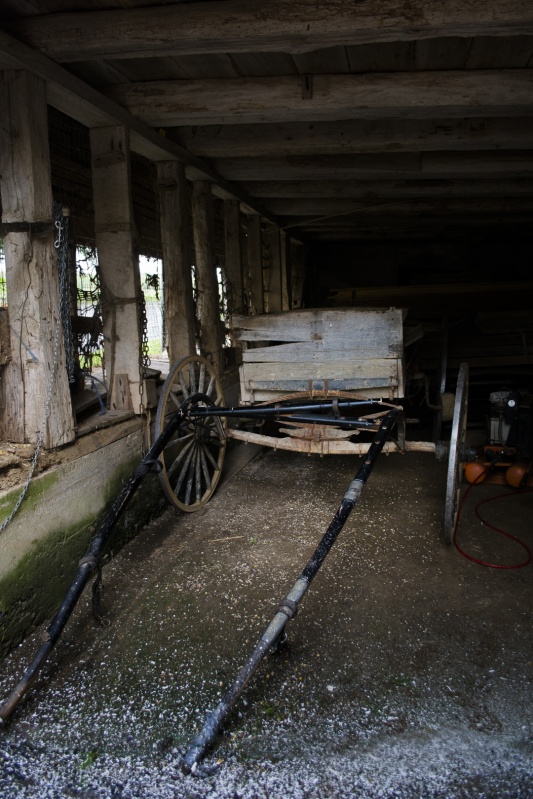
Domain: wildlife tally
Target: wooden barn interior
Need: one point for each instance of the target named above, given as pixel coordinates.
(319, 155)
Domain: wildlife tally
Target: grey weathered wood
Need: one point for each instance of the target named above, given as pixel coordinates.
(31, 274)
(118, 260)
(207, 299)
(82, 102)
(287, 26)
(325, 351)
(415, 95)
(297, 261)
(357, 135)
(378, 330)
(176, 240)
(255, 265)
(326, 447)
(233, 259)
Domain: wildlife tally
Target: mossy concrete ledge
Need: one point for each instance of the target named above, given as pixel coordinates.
(42, 545)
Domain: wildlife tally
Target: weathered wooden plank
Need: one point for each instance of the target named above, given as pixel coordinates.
(415, 95)
(176, 240)
(273, 297)
(371, 329)
(357, 135)
(255, 266)
(319, 385)
(258, 374)
(31, 274)
(330, 447)
(289, 26)
(317, 351)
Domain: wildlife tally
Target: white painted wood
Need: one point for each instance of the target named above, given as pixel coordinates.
(207, 300)
(31, 274)
(286, 26)
(414, 95)
(118, 260)
(357, 135)
(176, 240)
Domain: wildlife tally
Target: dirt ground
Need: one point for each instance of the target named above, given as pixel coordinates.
(407, 673)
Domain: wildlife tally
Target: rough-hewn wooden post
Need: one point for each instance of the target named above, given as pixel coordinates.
(255, 265)
(285, 272)
(274, 279)
(119, 264)
(207, 302)
(234, 269)
(174, 208)
(297, 273)
(31, 274)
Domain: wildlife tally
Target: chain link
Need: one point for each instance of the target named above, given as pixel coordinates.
(61, 217)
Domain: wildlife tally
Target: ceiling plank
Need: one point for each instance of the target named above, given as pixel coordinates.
(290, 26)
(358, 135)
(414, 95)
(389, 166)
(388, 189)
(441, 207)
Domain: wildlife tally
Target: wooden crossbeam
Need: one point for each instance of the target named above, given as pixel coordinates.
(415, 95)
(356, 135)
(288, 26)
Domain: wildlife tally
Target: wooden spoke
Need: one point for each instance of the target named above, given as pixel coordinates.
(192, 461)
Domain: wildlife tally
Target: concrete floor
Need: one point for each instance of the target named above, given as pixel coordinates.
(407, 673)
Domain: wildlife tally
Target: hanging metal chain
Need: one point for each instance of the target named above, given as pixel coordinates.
(61, 220)
(40, 436)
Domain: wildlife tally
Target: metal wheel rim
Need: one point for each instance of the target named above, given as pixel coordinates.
(455, 458)
(192, 461)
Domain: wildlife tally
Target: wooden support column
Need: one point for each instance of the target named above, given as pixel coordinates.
(234, 271)
(119, 264)
(285, 272)
(176, 239)
(297, 273)
(31, 274)
(255, 266)
(274, 269)
(207, 299)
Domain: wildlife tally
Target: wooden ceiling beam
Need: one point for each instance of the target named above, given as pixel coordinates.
(355, 135)
(388, 189)
(88, 106)
(287, 98)
(383, 207)
(396, 166)
(288, 26)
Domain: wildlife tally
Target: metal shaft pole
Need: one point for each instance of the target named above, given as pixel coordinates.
(86, 567)
(288, 608)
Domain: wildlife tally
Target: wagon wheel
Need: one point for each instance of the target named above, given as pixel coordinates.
(192, 460)
(456, 454)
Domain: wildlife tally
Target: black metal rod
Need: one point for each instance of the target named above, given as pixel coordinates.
(276, 409)
(288, 608)
(87, 566)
